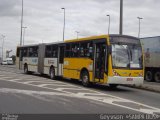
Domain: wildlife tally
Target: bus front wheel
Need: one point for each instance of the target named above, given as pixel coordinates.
(52, 73)
(85, 79)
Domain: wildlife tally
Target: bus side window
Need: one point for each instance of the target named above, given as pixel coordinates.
(30, 52)
(24, 52)
(35, 52)
(48, 53)
(67, 50)
(86, 49)
(54, 51)
(81, 51)
(75, 50)
(90, 50)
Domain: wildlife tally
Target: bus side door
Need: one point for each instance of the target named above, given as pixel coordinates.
(60, 60)
(99, 60)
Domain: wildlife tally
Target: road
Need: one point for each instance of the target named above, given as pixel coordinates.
(21, 93)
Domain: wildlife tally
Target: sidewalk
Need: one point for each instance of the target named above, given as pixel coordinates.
(150, 86)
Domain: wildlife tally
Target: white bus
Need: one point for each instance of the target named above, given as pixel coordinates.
(41, 58)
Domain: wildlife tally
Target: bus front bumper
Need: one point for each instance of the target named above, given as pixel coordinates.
(125, 80)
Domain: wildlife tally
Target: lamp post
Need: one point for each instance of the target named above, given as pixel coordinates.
(21, 24)
(77, 33)
(2, 45)
(20, 63)
(139, 19)
(64, 23)
(121, 18)
(108, 23)
(23, 34)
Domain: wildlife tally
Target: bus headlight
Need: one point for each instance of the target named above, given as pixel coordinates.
(115, 73)
(141, 74)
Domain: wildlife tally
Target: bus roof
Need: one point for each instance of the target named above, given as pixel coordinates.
(80, 39)
(31, 45)
(87, 38)
(99, 37)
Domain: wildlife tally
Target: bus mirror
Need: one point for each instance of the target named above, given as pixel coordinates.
(109, 49)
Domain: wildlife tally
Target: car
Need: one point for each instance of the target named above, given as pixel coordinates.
(10, 62)
(4, 62)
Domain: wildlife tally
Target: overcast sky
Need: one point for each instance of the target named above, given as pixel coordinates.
(44, 19)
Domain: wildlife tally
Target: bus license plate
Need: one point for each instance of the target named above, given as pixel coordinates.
(129, 79)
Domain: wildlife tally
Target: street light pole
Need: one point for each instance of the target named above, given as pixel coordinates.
(108, 24)
(23, 33)
(77, 33)
(2, 45)
(121, 18)
(139, 18)
(64, 23)
(21, 24)
(20, 63)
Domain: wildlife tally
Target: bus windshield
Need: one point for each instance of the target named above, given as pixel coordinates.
(126, 56)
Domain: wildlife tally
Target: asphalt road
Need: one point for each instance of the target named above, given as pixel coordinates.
(21, 93)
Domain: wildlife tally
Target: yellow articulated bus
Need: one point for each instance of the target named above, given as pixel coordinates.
(105, 59)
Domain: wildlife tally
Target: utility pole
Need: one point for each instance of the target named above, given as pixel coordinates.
(121, 18)
(20, 64)
(77, 33)
(139, 18)
(24, 28)
(21, 24)
(64, 23)
(108, 23)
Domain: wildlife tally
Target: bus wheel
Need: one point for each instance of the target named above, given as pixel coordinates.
(113, 86)
(157, 76)
(85, 79)
(148, 76)
(25, 69)
(52, 73)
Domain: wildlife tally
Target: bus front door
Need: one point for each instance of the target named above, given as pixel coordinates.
(99, 59)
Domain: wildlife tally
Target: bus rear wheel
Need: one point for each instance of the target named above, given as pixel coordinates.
(149, 76)
(26, 69)
(52, 73)
(85, 79)
(157, 76)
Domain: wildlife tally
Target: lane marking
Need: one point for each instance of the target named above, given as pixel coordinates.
(62, 89)
(40, 82)
(14, 79)
(5, 77)
(35, 94)
(41, 85)
(2, 75)
(27, 92)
